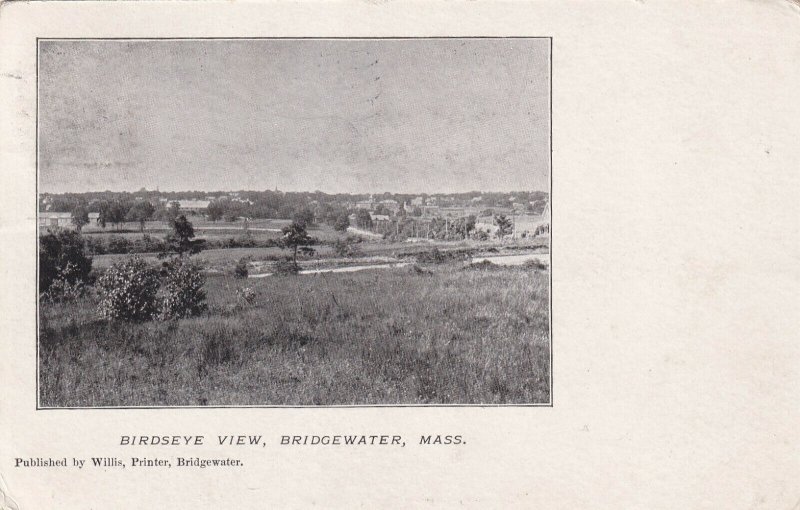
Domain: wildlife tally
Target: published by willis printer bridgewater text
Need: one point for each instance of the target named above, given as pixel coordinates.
(163, 461)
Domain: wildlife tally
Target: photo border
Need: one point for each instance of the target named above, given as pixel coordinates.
(550, 404)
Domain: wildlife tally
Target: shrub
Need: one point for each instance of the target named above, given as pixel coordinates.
(95, 246)
(62, 255)
(417, 270)
(118, 244)
(347, 248)
(63, 288)
(434, 256)
(285, 267)
(484, 265)
(240, 271)
(182, 294)
(535, 264)
(245, 241)
(128, 291)
(246, 295)
(152, 245)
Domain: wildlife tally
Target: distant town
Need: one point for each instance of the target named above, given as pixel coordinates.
(396, 215)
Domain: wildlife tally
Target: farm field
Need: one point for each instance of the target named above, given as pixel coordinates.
(422, 334)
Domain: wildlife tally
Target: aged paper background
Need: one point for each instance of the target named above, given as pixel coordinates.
(676, 178)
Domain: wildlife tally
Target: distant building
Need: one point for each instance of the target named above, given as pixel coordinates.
(63, 219)
(390, 204)
(368, 205)
(193, 206)
(430, 210)
(55, 219)
(486, 227)
(418, 201)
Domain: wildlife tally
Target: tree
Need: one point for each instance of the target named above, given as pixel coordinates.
(469, 224)
(342, 222)
(102, 216)
(80, 217)
(503, 226)
(303, 217)
(180, 240)
(62, 255)
(363, 219)
(140, 212)
(294, 236)
(112, 212)
(173, 211)
(215, 211)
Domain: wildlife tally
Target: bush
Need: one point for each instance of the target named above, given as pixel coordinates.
(62, 255)
(417, 270)
(246, 295)
(95, 246)
(285, 267)
(483, 265)
(63, 288)
(118, 244)
(152, 245)
(434, 256)
(182, 294)
(535, 264)
(240, 271)
(243, 241)
(347, 248)
(128, 291)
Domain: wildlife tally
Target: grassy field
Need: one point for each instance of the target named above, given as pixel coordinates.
(444, 334)
(223, 259)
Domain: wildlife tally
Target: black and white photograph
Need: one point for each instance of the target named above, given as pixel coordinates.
(277, 222)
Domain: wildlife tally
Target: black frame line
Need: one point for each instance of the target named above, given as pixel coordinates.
(312, 407)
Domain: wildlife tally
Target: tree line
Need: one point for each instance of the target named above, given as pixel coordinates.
(116, 207)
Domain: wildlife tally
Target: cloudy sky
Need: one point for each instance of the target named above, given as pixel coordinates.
(424, 115)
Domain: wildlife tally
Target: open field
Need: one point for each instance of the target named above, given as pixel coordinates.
(223, 259)
(412, 335)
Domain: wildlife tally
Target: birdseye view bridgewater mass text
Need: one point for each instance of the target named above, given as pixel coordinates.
(294, 222)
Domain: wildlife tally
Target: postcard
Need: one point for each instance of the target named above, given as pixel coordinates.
(399, 255)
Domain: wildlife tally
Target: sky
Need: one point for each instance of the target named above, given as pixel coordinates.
(339, 116)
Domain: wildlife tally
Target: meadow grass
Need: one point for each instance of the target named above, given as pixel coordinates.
(221, 258)
(445, 335)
